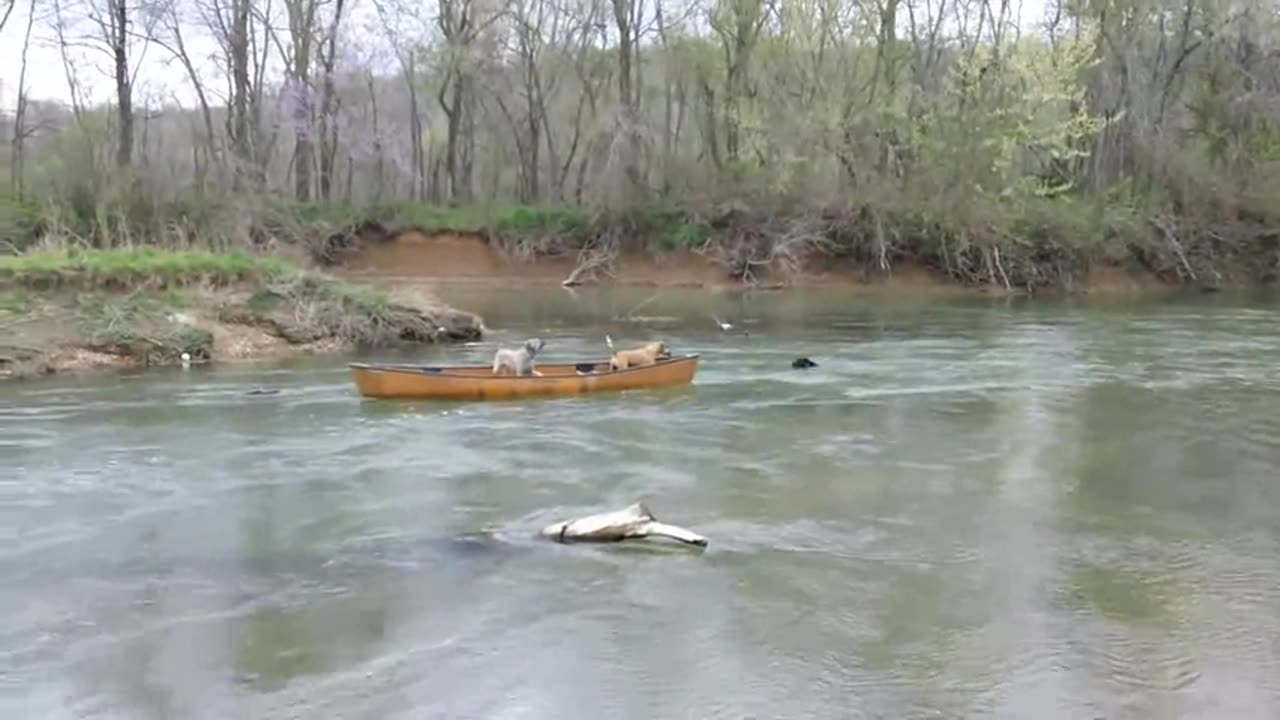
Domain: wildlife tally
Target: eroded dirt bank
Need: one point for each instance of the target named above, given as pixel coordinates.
(46, 331)
(418, 255)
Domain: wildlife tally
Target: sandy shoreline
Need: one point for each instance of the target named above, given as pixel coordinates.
(39, 335)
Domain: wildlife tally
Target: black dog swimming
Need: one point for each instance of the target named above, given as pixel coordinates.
(802, 363)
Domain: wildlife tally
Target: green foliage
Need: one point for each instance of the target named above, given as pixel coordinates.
(20, 221)
(472, 218)
(194, 340)
(434, 217)
(15, 302)
(524, 219)
(308, 307)
(263, 301)
(654, 226)
(990, 139)
(347, 297)
(685, 236)
(139, 325)
(1030, 112)
(132, 266)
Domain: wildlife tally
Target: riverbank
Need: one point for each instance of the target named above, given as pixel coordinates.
(1039, 247)
(1028, 245)
(413, 256)
(65, 310)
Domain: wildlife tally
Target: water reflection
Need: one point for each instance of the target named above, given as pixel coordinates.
(979, 509)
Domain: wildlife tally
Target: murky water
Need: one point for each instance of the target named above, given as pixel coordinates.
(1043, 510)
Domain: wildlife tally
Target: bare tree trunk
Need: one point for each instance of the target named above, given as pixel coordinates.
(533, 123)
(457, 24)
(17, 166)
(738, 33)
(241, 143)
(177, 47)
(530, 18)
(302, 23)
(589, 76)
(328, 125)
(379, 156)
(68, 67)
(453, 88)
(9, 6)
(624, 16)
(667, 130)
(262, 146)
(418, 182)
(119, 39)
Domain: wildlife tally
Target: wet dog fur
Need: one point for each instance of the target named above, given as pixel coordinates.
(520, 360)
(646, 354)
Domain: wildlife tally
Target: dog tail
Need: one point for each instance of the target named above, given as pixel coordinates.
(609, 341)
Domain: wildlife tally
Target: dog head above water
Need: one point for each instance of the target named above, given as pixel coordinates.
(660, 350)
(533, 345)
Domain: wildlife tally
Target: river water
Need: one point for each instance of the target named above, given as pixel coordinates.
(969, 509)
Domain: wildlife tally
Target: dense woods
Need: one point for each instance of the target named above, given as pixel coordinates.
(945, 130)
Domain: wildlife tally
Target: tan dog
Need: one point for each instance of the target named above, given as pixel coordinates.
(646, 354)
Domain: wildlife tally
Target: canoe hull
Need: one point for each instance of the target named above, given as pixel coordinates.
(474, 382)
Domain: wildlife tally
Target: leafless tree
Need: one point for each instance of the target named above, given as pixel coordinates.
(17, 167)
(957, 109)
(6, 12)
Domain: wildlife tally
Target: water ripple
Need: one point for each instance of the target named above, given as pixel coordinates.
(983, 510)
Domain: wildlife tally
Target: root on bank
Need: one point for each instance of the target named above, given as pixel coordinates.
(65, 310)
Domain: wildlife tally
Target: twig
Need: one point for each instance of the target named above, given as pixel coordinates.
(23, 348)
(630, 313)
(884, 260)
(996, 252)
(1176, 245)
(590, 260)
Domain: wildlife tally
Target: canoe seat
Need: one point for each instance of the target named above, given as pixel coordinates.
(585, 368)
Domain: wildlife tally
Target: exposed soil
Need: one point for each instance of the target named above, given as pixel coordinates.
(43, 333)
(465, 257)
(76, 331)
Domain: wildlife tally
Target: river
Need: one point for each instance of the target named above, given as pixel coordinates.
(979, 508)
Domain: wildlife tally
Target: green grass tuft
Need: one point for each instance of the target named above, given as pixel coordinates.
(424, 215)
(133, 266)
(15, 302)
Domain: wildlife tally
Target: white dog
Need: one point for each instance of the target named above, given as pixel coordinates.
(520, 360)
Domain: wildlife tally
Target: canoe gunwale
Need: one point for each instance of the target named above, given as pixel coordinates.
(477, 382)
(443, 371)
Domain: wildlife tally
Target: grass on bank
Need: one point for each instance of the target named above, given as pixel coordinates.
(141, 302)
(1025, 241)
(209, 223)
(553, 227)
(128, 267)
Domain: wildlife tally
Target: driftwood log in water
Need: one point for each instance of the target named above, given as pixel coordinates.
(632, 522)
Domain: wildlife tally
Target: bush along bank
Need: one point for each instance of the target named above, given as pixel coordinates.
(1033, 244)
(1026, 243)
(70, 309)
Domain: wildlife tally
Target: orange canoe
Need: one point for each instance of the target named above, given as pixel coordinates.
(477, 382)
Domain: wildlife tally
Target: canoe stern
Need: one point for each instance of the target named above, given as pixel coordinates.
(473, 382)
